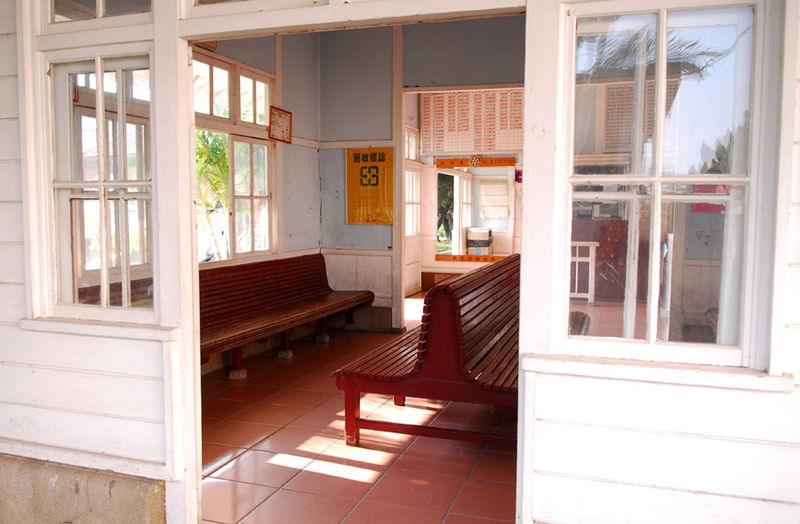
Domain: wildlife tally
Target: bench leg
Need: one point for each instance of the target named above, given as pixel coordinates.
(348, 320)
(322, 334)
(285, 352)
(352, 411)
(237, 372)
(399, 400)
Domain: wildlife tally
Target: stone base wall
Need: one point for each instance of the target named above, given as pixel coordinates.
(37, 491)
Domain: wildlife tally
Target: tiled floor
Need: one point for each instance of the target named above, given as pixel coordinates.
(273, 449)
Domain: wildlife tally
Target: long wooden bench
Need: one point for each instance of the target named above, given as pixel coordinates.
(249, 302)
(466, 350)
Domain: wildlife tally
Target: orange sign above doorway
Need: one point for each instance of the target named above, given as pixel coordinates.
(477, 161)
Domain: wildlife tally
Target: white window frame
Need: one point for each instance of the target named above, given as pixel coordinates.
(270, 148)
(752, 350)
(412, 180)
(462, 184)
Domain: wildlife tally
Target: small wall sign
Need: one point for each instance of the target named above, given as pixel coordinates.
(280, 124)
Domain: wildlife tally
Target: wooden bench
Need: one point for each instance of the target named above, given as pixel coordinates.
(466, 350)
(249, 302)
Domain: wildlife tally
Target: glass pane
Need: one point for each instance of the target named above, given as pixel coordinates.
(67, 10)
(409, 220)
(610, 284)
(709, 61)
(221, 98)
(494, 199)
(124, 7)
(110, 84)
(701, 264)
(261, 223)
(260, 182)
(445, 212)
(140, 82)
(614, 94)
(213, 196)
(111, 149)
(246, 98)
(85, 226)
(262, 103)
(243, 225)
(202, 97)
(241, 175)
(87, 131)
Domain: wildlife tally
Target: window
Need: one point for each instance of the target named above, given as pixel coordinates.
(102, 182)
(662, 172)
(494, 199)
(233, 156)
(454, 211)
(69, 10)
(411, 137)
(412, 201)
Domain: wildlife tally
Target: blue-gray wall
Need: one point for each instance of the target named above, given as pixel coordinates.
(356, 88)
(467, 52)
(335, 232)
(255, 52)
(301, 83)
(301, 228)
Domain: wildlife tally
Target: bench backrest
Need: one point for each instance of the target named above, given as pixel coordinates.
(230, 290)
(465, 318)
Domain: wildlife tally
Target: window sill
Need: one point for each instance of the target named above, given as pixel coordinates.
(96, 328)
(703, 375)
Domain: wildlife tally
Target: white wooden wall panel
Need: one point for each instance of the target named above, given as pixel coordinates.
(568, 499)
(11, 220)
(356, 271)
(107, 395)
(81, 353)
(87, 432)
(12, 256)
(12, 303)
(793, 294)
(670, 460)
(796, 169)
(791, 344)
(10, 181)
(8, 50)
(9, 145)
(9, 107)
(794, 234)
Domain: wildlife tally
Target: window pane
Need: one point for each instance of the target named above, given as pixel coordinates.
(241, 176)
(701, 265)
(260, 184)
(246, 98)
(202, 96)
(610, 285)
(261, 223)
(445, 212)
(262, 103)
(494, 199)
(221, 98)
(67, 10)
(87, 131)
(111, 148)
(615, 94)
(243, 222)
(85, 226)
(213, 196)
(124, 7)
(708, 95)
(140, 82)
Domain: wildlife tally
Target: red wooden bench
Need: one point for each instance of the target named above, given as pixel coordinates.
(249, 302)
(466, 350)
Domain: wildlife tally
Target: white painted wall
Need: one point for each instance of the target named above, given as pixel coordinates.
(791, 340)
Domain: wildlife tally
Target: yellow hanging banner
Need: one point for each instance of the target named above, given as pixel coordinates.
(369, 186)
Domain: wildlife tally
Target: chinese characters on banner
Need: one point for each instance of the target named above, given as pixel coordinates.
(369, 186)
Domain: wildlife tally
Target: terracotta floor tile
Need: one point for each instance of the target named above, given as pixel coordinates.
(371, 512)
(300, 397)
(496, 467)
(372, 457)
(472, 414)
(327, 475)
(227, 502)
(246, 392)
(209, 386)
(223, 408)
(293, 440)
(438, 459)
(321, 382)
(296, 507)
(461, 519)
(405, 414)
(416, 489)
(238, 434)
(263, 467)
(215, 455)
(267, 413)
(486, 499)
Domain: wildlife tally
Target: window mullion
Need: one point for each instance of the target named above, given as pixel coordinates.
(102, 153)
(654, 268)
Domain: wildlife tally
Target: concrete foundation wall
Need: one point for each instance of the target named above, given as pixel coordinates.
(38, 491)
